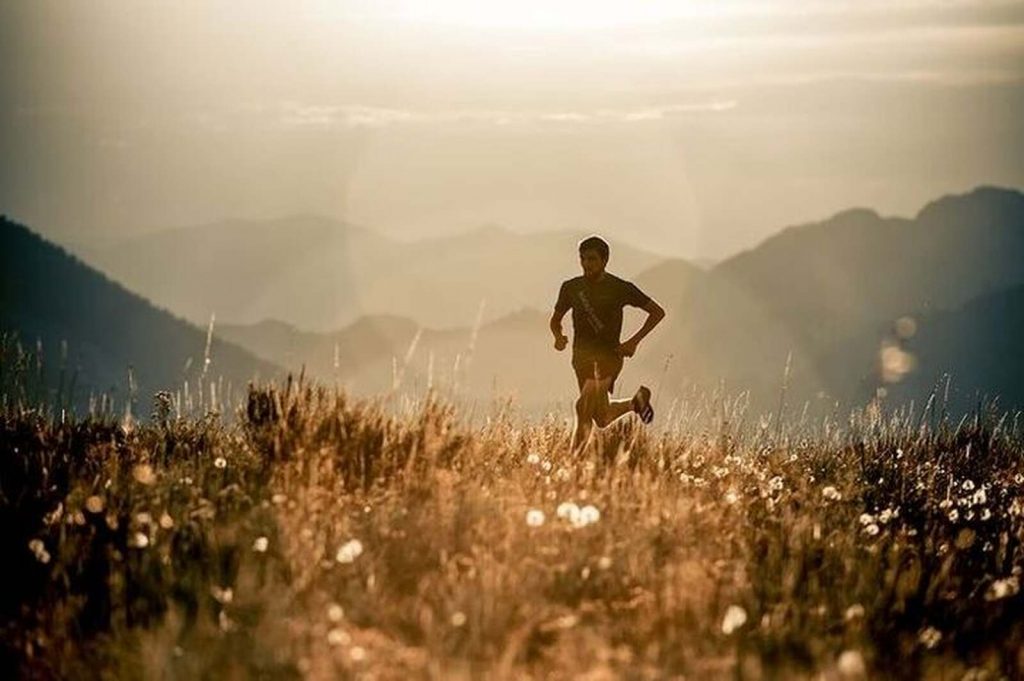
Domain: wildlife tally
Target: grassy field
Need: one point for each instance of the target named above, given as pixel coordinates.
(319, 536)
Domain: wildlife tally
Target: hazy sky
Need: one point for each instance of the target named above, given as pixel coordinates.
(687, 127)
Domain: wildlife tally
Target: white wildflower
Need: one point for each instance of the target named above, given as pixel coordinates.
(851, 665)
(929, 637)
(735, 617)
(38, 548)
(535, 517)
(854, 612)
(338, 637)
(567, 510)
(349, 551)
(588, 516)
(1003, 588)
(830, 493)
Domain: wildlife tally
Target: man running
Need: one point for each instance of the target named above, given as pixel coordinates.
(596, 300)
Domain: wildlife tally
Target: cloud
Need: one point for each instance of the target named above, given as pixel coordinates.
(296, 115)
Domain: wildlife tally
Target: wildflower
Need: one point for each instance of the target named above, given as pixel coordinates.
(335, 612)
(735, 617)
(279, 498)
(260, 544)
(458, 619)
(954, 515)
(851, 665)
(604, 562)
(854, 612)
(830, 493)
(563, 475)
(143, 474)
(139, 540)
(731, 497)
(166, 521)
(866, 519)
(588, 516)
(567, 510)
(1019, 478)
(720, 472)
(929, 637)
(776, 484)
(871, 530)
(338, 637)
(144, 518)
(358, 653)
(885, 516)
(979, 498)
(967, 485)
(945, 503)
(533, 458)
(220, 462)
(535, 517)
(545, 466)
(985, 514)
(94, 504)
(222, 595)
(1003, 588)
(349, 551)
(37, 547)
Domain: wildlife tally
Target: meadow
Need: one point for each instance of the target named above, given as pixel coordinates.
(306, 533)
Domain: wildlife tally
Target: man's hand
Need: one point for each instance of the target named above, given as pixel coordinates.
(626, 349)
(560, 342)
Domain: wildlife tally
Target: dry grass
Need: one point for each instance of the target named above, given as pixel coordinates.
(325, 537)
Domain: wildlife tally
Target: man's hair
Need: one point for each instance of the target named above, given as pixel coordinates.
(595, 243)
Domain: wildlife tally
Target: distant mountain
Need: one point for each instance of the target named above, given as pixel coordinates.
(50, 296)
(306, 269)
(821, 290)
(509, 356)
(980, 346)
(321, 274)
(826, 297)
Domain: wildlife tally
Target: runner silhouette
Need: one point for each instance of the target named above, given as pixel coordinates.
(596, 299)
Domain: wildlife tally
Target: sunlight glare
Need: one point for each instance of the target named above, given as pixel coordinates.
(548, 14)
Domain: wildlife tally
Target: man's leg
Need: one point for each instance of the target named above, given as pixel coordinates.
(609, 410)
(586, 405)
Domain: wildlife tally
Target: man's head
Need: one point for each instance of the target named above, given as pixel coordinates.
(593, 256)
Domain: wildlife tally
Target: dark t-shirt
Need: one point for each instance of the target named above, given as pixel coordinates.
(597, 309)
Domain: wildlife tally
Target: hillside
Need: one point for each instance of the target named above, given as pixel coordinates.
(50, 296)
(828, 291)
(320, 274)
(325, 536)
(508, 356)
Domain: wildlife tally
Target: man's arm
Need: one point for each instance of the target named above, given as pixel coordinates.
(655, 313)
(561, 340)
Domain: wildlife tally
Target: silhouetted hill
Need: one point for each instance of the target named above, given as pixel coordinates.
(50, 296)
(321, 274)
(980, 347)
(508, 356)
(307, 269)
(820, 290)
